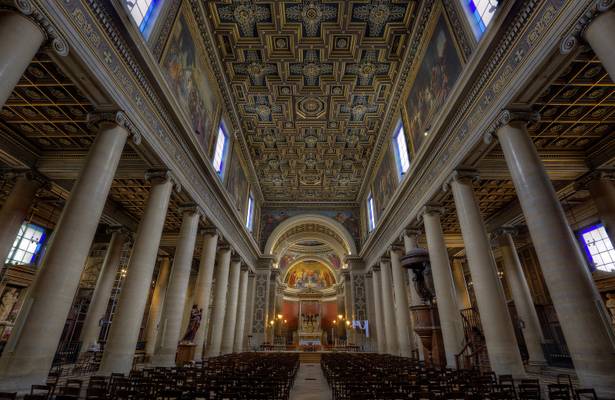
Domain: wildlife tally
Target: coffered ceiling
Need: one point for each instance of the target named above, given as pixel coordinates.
(311, 80)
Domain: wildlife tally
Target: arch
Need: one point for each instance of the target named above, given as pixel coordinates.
(321, 261)
(305, 219)
(283, 245)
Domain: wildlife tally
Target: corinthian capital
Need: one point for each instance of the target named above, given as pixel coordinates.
(118, 118)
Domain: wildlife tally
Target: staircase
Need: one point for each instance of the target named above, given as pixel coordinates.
(309, 358)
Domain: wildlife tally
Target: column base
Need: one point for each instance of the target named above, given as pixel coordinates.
(162, 360)
(116, 363)
(536, 366)
(22, 384)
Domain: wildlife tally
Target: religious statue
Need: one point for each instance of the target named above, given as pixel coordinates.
(9, 298)
(610, 304)
(193, 326)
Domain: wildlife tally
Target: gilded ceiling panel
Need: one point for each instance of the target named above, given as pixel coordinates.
(311, 80)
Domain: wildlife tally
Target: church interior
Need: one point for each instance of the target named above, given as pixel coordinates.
(307, 199)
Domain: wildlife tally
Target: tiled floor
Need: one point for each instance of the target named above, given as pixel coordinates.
(310, 384)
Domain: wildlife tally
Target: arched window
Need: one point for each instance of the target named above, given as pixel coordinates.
(142, 12)
(480, 13)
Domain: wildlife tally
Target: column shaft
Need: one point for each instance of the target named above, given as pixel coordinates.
(380, 328)
(241, 312)
(221, 273)
(124, 332)
(402, 309)
(21, 39)
(578, 305)
(250, 308)
(448, 309)
(388, 307)
(153, 319)
(29, 353)
(230, 317)
(461, 288)
(175, 298)
(500, 339)
(102, 292)
(410, 243)
(532, 332)
(599, 35)
(202, 289)
(15, 210)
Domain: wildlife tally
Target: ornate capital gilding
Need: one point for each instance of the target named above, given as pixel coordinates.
(117, 117)
(58, 43)
(575, 35)
(162, 176)
(461, 175)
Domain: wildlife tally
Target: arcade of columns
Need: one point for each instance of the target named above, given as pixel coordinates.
(222, 277)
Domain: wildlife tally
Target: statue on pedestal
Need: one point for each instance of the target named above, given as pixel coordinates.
(193, 326)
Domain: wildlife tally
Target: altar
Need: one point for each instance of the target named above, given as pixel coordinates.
(310, 332)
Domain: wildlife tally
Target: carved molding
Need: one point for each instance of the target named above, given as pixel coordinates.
(156, 177)
(119, 118)
(58, 43)
(506, 117)
(575, 36)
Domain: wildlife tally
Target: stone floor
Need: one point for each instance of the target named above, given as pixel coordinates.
(310, 384)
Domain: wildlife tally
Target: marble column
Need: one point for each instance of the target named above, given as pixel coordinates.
(241, 311)
(410, 237)
(380, 328)
(29, 353)
(402, 309)
(153, 320)
(221, 273)
(500, 339)
(577, 303)
(461, 288)
(126, 324)
(21, 40)
(175, 298)
(599, 34)
(526, 312)
(250, 307)
(203, 286)
(15, 209)
(104, 286)
(448, 309)
(388, 306)
(601, 186)
(230, 317)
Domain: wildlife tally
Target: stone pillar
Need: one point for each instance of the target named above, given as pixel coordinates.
(598, 34)
(221, 273)
(380, 328)
(500, 339)
(261, 299)
(124, 333)
(388, 306)
(247, 342)
(21, 40)
(175, 298)
(241, 311)
(402, 309)
(578, 305)
(461, 288)
(601, 187)
(153, 320)
(526, 312)
(28, 355)
(448, 309)
(271, 303)
(230, 317)
(104, 286)
(410, 237)
(15, 209)
(202, 288)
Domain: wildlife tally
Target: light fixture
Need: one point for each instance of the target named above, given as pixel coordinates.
(335, 321)
(272, 322)
(340, 316)
(279, 316)
(347, 323)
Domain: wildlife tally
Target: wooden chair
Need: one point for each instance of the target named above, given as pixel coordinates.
(8, 395)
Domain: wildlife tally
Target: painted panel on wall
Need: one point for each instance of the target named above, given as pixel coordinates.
(385, 181)
(191, 79)
(272, 217)
(437, 73)
(309, 274)
(236, 182)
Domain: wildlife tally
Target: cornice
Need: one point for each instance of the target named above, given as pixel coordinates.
(492, 87)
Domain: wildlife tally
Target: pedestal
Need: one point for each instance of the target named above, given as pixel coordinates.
(185, 354)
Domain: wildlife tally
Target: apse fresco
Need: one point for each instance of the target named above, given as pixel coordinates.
(190, 78)
(271, 218)
(237, 183)
(437, 74)
(385, 182)
(309, 274)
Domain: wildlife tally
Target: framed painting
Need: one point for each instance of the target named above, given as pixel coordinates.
(188, 74)
(385, 181)
(437, 72)
(236, 181)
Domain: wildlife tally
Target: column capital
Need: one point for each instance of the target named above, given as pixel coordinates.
(190, 208)
(265, 263)
(505, 230)
(575, 36)
(155, 177)
(462, 175)
(368, 275)
(396, 248)
(507, 116)
(235, 258)
(118, 118)
(120, 230)
(434, 209)
(30, 174)
(412, 232)
(385, 260)
(210, 231)
(598, 174)
(28, 9)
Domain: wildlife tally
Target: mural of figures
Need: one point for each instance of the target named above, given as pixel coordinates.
(309, 274)
(438, 72)
(385, 181)
(271, 218)
(236, 182)
(189, 76)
